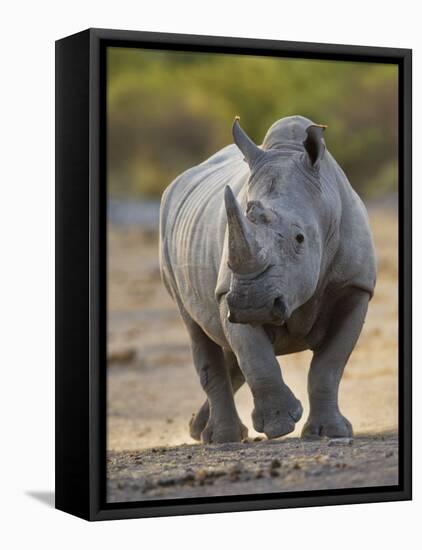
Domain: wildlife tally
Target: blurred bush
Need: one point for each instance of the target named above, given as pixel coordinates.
(170, 110)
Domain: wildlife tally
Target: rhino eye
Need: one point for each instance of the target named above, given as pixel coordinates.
(300, 238)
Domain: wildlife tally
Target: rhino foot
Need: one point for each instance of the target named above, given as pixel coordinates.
(198, 421)
(224, 432)
(334, 425)
(277, 417)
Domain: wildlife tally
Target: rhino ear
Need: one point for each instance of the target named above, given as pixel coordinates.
(314, 144)
(251, 151)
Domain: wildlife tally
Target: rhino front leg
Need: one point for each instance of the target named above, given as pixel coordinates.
(329, 360)
(223, 423)
(199, 420)
(276, 408)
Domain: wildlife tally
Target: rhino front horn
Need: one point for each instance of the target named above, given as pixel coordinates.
(246, 257)
(251, 152)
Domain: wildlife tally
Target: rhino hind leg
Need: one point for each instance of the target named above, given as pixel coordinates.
(223, 423)
(199, 420)
(328, 362)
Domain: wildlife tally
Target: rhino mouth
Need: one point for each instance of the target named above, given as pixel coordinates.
(274, 312)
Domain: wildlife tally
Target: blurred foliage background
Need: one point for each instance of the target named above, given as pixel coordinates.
(168, 111)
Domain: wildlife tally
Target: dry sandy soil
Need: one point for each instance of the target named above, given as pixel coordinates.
(153, 391)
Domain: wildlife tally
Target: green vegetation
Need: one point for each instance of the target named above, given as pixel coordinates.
(170, 110)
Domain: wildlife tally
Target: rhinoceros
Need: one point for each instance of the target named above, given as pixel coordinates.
(267, 251)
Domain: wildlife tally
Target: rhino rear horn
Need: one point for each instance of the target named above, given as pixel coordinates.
(246, 257)
(314, 143)
(251, 152)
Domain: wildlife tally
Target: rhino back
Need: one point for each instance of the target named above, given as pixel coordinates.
(355, 261)
(192, 230)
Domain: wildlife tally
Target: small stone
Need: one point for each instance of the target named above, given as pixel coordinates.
(322, 459)
(235, 469)
(314, 472)
(166, 482)
(339, 441)
(201, 475)
(275, 463)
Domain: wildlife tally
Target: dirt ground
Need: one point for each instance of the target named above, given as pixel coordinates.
(153, 391)
(284, 465)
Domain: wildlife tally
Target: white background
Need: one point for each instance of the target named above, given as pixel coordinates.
(27, 272)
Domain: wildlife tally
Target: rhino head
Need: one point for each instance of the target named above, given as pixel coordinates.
(275, 241)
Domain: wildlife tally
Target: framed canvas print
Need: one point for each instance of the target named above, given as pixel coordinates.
(233, 274)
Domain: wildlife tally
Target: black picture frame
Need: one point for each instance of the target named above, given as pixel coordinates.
(81, 273)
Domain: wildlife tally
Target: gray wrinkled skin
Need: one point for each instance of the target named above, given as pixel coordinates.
(267, 251)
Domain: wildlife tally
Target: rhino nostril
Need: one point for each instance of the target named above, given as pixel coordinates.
(279, 308)
(231, 317)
